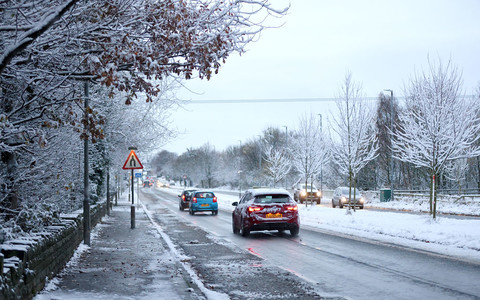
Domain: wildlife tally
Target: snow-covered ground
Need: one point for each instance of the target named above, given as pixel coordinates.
(468, 206)
(446, 235)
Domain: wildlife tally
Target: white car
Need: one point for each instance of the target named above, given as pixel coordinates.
(341, 198)
(308, 192)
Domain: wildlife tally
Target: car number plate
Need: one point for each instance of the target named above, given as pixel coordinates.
(205, 205)
(274, 215)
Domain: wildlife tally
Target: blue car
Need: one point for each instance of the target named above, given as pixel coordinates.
(203, 201)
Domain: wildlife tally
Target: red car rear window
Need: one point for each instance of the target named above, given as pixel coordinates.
(275, 198)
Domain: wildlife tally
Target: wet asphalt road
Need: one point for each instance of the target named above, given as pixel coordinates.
(332, 265)
(224, 267)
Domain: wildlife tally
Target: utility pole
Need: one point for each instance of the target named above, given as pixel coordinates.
(391, 146)
(239, 170)
(260, 159)
(286, 145)
(86, 192)
(321, 166)
(260, 149)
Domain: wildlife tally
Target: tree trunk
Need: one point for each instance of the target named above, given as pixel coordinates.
(350, 178)
(354, 193)
(431, 191)
(478, 174)
(459, 187)
(434, 196)
(11, 200)
(306, 182)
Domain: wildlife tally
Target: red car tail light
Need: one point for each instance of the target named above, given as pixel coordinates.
(292, 208)
(214, 199)
(254, 209)
(183, 197)
(194, 200)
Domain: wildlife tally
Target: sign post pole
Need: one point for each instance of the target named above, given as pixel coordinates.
(132, 163)
(132, 207)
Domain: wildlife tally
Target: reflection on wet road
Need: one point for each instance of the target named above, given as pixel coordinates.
(345, 266)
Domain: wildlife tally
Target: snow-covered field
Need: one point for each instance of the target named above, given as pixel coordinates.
(446, 235)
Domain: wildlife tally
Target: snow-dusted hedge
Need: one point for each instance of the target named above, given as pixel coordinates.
(27, 263)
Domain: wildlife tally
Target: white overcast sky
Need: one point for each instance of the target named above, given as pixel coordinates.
(381, 42)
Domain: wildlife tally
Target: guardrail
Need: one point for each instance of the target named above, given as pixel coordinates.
(461, 199)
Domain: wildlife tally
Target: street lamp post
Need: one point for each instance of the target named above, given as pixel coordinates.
(240, 183)
(286, 144)
(240, 171)
(391, 145)
(321, 166)
(260, 159)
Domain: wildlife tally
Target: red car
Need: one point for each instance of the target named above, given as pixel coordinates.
(265, 209)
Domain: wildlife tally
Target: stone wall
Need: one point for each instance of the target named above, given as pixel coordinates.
(27, 263)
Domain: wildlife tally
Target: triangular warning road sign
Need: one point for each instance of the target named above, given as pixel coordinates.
(132, 162)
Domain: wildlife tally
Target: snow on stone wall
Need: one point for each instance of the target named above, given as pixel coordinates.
(26, 263)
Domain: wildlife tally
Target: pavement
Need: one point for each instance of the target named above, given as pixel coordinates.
(123, 263)
(187, 263)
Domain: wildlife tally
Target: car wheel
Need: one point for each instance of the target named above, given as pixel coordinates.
(245, 232)
(191, 212)
(295, 231)
(235, 229)
(361, 207)
(333, 204)
(214, 212)
(318, 202)
(340, 204)
(180, 207)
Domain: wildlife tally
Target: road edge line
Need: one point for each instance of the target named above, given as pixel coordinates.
(174, 252)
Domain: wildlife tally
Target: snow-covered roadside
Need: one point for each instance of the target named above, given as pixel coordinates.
(449, 236)
(52, 284)
(418, 204)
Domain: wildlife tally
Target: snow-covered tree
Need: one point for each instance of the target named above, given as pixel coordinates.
(457, 172)
(251, 155)
(277, 163)
(439, 125)
(204, 165)
(307, 149)
(129, 46)
(127, 50)
(229, 166)
(127, 43)
(384, 119)
(354, 142)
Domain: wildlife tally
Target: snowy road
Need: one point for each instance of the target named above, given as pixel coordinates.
(350, 267)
